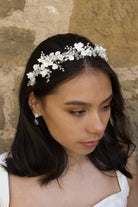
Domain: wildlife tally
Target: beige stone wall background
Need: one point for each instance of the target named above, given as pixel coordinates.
(25, 23)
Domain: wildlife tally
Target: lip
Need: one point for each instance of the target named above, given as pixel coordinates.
(90, 144)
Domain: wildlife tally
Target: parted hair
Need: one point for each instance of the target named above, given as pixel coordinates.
(34, 151)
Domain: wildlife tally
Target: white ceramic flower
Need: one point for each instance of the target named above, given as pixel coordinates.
(57, 53)
(86, 52)
(79, 46)
(36, 67)
(30, 75)
(89, 52)
(44, 72)
(51, 54)
(31, 78)
(48, 62)
(60, 57)
(54, 66)
(71, 57)
(42, 57)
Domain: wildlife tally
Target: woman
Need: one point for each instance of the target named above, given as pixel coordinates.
(72, 147)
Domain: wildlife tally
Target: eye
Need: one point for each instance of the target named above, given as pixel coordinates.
(77, 113)
(106, 107)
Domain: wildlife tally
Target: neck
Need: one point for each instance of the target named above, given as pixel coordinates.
(75, 161)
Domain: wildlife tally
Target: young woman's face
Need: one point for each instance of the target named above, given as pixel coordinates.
(78, 112)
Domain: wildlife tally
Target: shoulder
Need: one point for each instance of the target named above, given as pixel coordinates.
(133, 183)
(132, 166)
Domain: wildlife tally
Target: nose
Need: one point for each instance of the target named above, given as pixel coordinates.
(95, 124)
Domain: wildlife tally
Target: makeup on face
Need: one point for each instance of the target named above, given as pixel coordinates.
(78, 112)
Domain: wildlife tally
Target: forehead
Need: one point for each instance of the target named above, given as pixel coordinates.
(85, 87)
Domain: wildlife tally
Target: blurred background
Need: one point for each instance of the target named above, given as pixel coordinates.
(25, 23)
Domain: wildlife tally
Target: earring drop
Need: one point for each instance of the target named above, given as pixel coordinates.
(35, 120)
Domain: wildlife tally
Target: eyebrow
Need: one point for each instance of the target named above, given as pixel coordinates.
(85, 103)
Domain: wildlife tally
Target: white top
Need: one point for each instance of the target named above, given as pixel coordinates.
(4, 183)
(115, 200)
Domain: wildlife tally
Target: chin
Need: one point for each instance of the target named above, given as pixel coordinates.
(86, 152)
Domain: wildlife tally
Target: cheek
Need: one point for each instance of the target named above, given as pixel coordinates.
(61, 131)
(57, 124)
(58, 119)
(62, 128)
(107, 116)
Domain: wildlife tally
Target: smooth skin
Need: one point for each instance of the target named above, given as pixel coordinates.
(74, 114)
(78, 111)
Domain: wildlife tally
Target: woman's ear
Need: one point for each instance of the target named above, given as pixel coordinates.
(35, 104)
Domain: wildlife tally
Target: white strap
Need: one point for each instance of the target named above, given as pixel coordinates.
(123, 183)
(4, 183)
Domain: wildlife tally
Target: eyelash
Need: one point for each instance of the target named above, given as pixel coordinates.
(79, 113)
(107, 107)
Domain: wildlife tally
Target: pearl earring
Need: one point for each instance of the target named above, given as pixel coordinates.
(35, 120)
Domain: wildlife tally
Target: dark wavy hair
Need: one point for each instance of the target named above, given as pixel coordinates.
(34, 151)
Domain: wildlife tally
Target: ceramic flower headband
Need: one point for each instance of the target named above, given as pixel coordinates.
(53, 61)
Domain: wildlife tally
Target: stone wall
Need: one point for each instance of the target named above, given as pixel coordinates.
(25, 23)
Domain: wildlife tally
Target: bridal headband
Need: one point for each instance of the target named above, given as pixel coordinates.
(53, 61)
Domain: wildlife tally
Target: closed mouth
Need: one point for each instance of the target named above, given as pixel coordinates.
(95, 141)
(90, 144)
